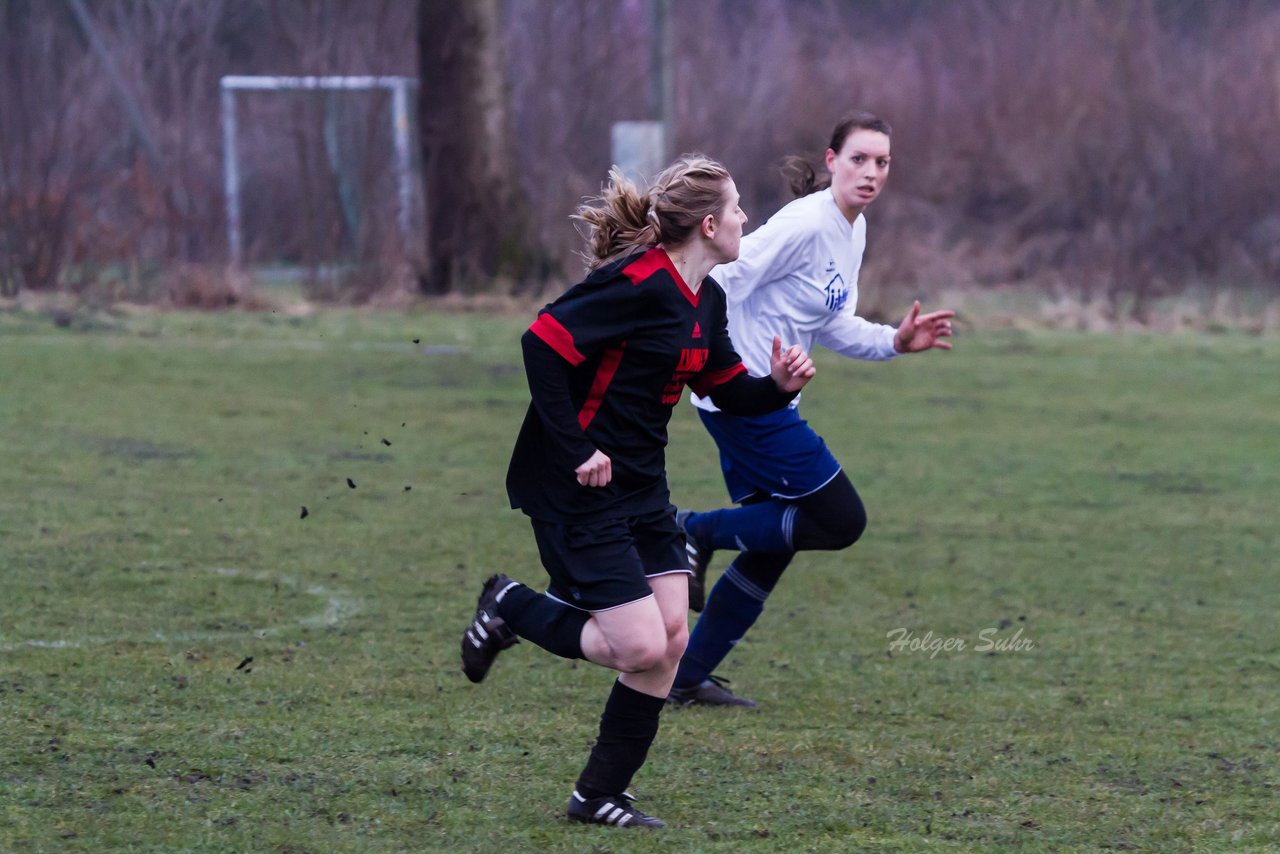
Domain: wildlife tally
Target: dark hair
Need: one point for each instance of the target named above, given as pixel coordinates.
(623, 220)
(800, 173)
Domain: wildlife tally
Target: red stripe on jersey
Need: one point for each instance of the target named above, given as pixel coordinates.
(557, 338)
(604, 375)
(651, 262)
(708, 382)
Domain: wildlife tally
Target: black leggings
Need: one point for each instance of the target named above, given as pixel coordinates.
(830, 519)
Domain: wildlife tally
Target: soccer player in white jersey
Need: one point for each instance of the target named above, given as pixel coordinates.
(796, 277)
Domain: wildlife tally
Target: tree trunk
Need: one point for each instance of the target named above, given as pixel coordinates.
(477, 216)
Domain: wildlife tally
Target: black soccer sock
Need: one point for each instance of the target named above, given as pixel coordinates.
(627, 728)
(552, 625)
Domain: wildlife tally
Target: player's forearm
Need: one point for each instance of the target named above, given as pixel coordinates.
(861, 339)
(748, 395)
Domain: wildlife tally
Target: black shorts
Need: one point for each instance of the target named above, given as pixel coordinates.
(601, 565)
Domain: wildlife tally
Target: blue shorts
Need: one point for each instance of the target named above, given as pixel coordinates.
(603, 564)
(775, 455)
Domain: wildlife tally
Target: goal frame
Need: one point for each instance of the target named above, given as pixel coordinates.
(232, 83)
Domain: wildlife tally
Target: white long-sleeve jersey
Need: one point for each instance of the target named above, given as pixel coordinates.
(796, 277)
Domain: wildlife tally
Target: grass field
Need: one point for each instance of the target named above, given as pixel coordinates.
(1109, 501)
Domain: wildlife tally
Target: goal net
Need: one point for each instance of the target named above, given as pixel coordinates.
(320, 172)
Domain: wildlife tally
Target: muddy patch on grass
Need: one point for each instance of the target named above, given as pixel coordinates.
(361, 456)
(1169, 482)
(142, 449)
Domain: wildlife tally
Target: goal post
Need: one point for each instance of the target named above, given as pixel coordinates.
(400, 134)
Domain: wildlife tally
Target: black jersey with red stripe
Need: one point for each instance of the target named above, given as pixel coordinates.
(626, 341)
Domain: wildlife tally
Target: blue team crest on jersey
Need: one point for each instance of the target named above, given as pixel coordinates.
(837, 293)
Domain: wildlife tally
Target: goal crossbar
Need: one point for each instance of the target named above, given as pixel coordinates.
(231, 83)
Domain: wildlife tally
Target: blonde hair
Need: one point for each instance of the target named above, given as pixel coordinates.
(622, 221)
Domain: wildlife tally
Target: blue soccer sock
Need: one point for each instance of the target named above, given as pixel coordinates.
(764, 527)
(732, 608)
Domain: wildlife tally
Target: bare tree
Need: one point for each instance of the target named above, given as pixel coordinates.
(43, 192)
(1120, 151)
(477, 219)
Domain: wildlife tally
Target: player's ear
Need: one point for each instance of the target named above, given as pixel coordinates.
(709, 226)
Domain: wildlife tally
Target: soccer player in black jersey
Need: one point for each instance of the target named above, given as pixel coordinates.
(606, 362)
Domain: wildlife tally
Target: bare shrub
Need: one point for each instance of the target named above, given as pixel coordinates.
(201, 286)
(89, 200)
(42, 192)
(577, 66)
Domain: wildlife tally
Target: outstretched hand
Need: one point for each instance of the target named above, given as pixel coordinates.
(792, 369)
(919, 332)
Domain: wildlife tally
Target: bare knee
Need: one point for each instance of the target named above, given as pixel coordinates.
(641, 656)
(657, 652)
(677, 640)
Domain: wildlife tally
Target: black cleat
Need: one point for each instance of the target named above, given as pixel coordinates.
(614, 810)
(699, 557)
(487, 635)
(711, 692)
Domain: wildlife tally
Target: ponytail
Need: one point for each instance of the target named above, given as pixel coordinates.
(622, 220)
(799, 172)
(619, 224)
(801, 177)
